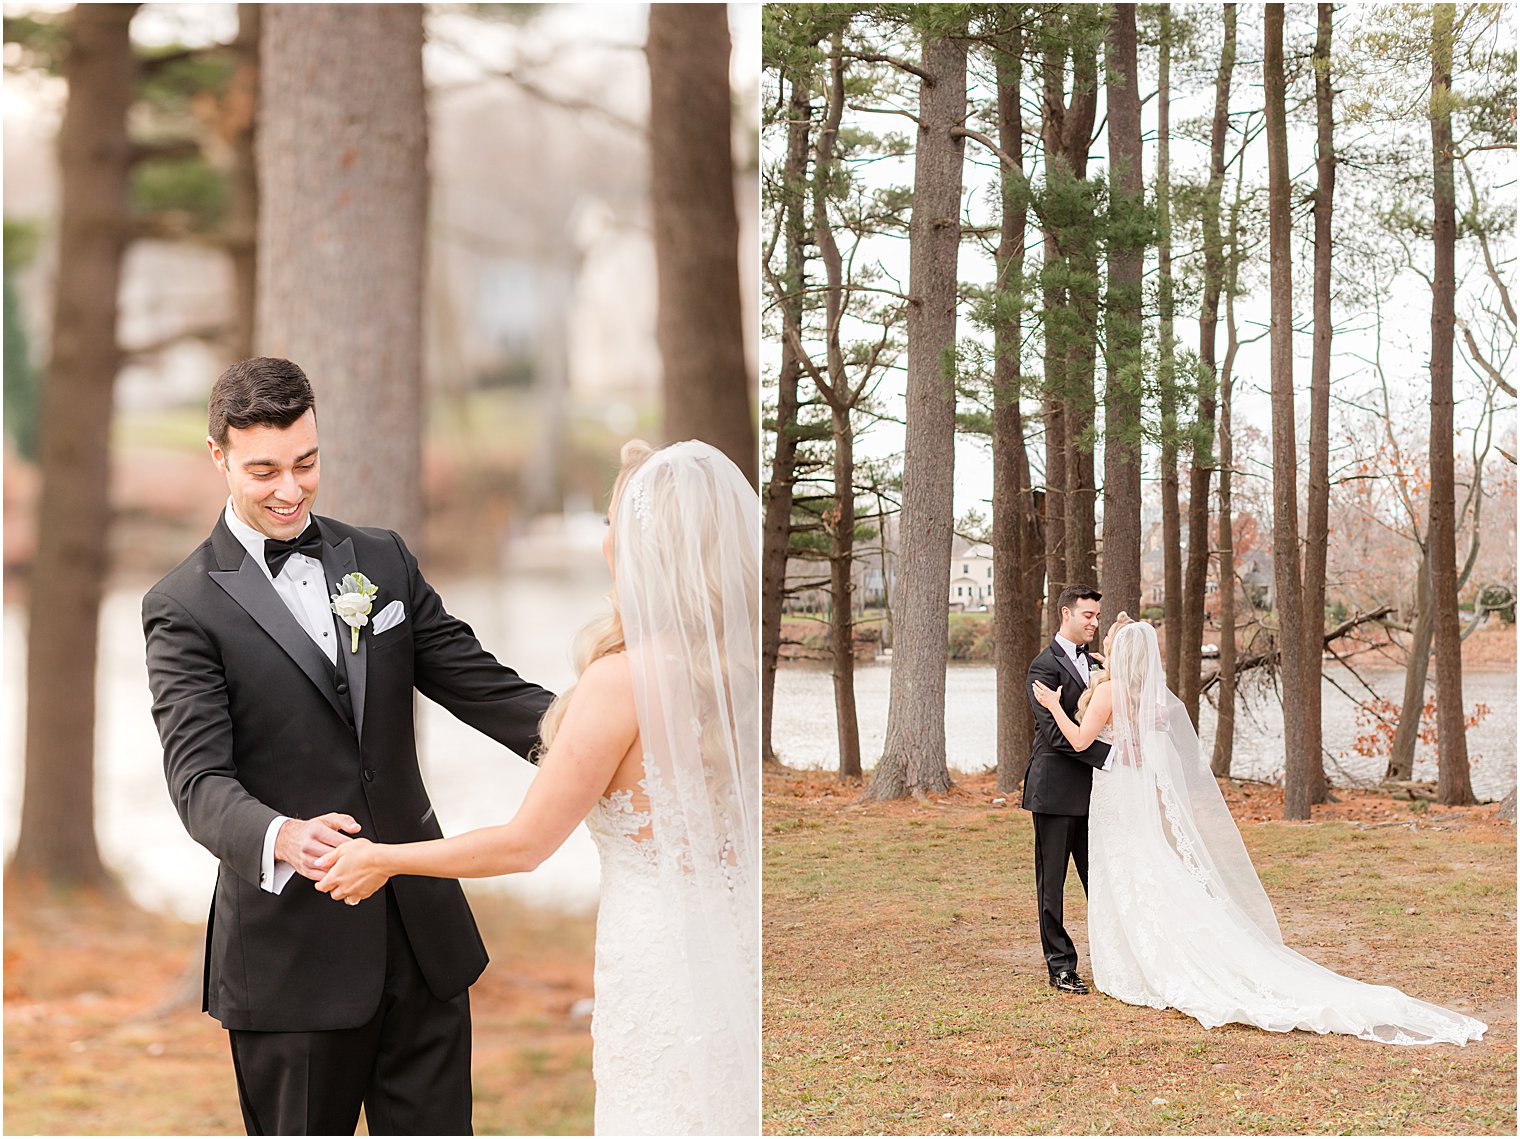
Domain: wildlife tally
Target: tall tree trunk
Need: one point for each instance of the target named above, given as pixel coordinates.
(1453, 782)
(839, 521)
(778, 489)
(1071, 309)
(1189, 624)
(57, 835)
(343, 241)
(700, 325)
(1317, 514)
(1016, 623)
(1171, 513)
(913, 758)
(1224, 728)
(1416, 672)
(243, 196)
(1082, 353)
(1054, 313)
(1289, 587)
(841, 574)
(1121, 405)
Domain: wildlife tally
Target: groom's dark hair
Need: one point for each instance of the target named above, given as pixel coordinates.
(262, 392)
(1074, 593)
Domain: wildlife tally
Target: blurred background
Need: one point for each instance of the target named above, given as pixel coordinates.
(501, 240)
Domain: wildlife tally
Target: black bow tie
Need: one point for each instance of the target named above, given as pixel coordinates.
(277, 553)
(1083, 651)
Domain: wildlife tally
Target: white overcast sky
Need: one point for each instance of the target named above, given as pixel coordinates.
(1406, 308)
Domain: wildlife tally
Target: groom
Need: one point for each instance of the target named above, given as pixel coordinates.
(282, 740)
(1059, 782)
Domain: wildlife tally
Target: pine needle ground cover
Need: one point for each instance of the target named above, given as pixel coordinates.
(905, 991)
(85, 1056)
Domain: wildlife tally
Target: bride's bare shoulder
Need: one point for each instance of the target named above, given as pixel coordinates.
(609, 677)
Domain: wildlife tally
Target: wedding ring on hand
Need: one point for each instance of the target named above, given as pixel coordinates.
(351, 901)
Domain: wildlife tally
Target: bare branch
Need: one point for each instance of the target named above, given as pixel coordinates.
(901, 64)
(1479, 359)
(886, 111)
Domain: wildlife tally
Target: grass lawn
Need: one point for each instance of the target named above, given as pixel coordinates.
(85, 1056)
(905, 991)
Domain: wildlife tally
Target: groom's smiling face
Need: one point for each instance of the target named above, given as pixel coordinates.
(271, 474)
(1079, 624)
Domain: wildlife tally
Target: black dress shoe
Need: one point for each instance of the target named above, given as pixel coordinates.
(1068, 981)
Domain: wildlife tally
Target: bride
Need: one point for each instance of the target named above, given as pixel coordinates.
(1176, 915)
(656, 748)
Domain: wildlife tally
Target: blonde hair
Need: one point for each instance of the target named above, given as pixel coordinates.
(1101, 676)
(603, 635)
(1129, 666)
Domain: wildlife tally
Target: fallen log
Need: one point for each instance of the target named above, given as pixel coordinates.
(1257, 660)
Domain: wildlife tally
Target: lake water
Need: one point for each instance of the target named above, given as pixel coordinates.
(527, 619)
(804, 732)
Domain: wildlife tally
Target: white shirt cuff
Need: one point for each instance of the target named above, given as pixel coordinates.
(273, 875)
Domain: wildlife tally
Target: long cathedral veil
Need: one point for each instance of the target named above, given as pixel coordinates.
(686, 547)
(1152, 730)
(1230, 963)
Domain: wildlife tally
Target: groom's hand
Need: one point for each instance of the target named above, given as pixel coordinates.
(302, 841)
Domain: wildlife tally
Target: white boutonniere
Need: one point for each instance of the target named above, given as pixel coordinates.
(353, 602)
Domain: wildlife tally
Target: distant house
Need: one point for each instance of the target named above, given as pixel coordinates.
(971, 578)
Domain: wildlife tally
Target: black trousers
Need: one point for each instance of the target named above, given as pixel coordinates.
(409, 1066)
(1057, 839)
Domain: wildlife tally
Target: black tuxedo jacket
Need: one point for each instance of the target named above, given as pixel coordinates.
(255, 723)
(1059, 781)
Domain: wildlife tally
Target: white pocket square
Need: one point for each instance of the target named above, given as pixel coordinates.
(388, 618)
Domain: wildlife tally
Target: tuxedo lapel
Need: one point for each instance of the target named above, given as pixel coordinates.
(248, 586)
(1065, 662)
(338, 561)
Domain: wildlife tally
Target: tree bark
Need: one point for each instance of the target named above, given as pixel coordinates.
(1317, 514)
(1416, 672)
(1016, 608)
(1289, 586)
(1121, 404)
(1171, 513)
(1082, 352)
(243, 179)
(1070, 309)
(700, 325)
(343, 192)
(778, 489)
(839, 521)
(1453, 781)
(1194, 585)
(1224, 724)
(1054, 309)
(913, 758)
(57, 836)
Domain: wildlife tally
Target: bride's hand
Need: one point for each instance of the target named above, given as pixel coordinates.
(1047, 698)
(353, 870)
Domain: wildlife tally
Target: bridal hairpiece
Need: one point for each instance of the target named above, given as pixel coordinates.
(641, 505)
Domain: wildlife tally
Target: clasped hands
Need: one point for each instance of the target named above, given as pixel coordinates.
(342, 866)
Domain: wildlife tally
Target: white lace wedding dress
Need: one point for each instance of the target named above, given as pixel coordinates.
(675, 1030)
(643, 1027)
(1176, 915)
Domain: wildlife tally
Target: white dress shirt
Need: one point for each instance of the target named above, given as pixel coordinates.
(303, 589)
(1078, 660)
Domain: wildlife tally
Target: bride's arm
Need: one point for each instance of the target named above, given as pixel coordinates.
(599, 727)
(1080, 736)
